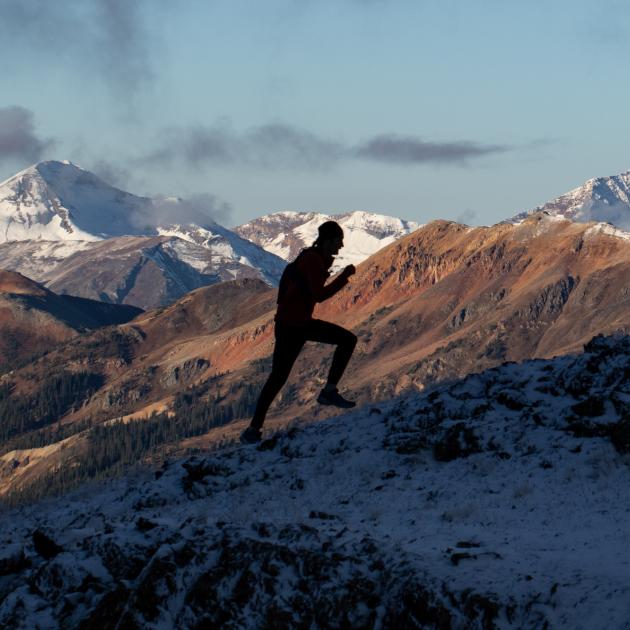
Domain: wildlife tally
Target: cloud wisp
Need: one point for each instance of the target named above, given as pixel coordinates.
(281, 146)
(105, 37)
(200, 209)
(409, 150)
(267, 147)
(467, 217)
(18, 140)
(110, 171)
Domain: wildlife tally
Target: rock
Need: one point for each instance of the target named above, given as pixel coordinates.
(511, 401)
(123, 563)
(323, 516)
(621, 402)
(185, 373)
(269, 444)
(45, 546)
(586, 429)
(110, 612)
(197, 471)
(591, 407)
(13, 560)
(412, 443)
(145, 525)
(417, 608)
(458, 441)
(156, 584)
(620, 436)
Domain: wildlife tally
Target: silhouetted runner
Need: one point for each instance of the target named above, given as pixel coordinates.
(303, 285)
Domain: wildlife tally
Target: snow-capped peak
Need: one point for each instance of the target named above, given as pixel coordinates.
(61, 201)
(57, 202)
(227, 248)
(286, 233)
(599, 199)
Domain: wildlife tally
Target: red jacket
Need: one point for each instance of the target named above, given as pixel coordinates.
(303, 285)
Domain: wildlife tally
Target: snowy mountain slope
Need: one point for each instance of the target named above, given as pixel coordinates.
(601, 199)
(35, 258)
(191, 257)
(154, 271)
(286, 233)
(499, 500)
(54, 209)
(150, 272)
(228, 248)
(61, 201)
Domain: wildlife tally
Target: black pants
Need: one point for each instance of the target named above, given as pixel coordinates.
(289, 343)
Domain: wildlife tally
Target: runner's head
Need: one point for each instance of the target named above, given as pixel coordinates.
(330, 237)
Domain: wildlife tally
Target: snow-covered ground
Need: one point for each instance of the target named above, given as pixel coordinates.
(502, 500)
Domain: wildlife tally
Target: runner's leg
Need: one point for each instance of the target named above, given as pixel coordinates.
(325, 332)
(289, 343)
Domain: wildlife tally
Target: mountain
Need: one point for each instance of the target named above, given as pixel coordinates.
(126, 371)
(145, 271)
(231, 253)
(56, 201)
(151, 272)
(445, 301)
(601, 199)
(33, 319)
(499, 500)
(66, 228)
(35, 258)
(286, 233)
(448, 300)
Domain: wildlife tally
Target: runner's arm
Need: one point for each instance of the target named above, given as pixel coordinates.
(316, 277)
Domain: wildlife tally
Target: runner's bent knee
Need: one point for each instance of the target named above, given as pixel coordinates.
(349, 339)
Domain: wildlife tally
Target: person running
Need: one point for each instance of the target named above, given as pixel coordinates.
(303, 285)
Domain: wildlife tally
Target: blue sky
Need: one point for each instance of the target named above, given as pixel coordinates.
(419, 109)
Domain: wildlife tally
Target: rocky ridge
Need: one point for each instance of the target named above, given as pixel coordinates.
(34, 319)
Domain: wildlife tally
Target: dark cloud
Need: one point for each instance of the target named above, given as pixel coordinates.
(124, 42)
(109, 36)
(408, 150)
(268, 146)
(113, 173)
(201, 209)
(288, 146)
(194, 145)
(279, 146)
(18, 140)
